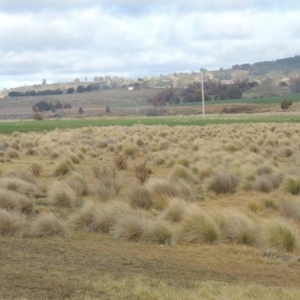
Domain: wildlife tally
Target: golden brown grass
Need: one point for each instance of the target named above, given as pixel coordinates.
(11, 223)
(224, 170)
(47, 225)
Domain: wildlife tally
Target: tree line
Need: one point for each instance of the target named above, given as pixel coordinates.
(47, 106)
(213, 90)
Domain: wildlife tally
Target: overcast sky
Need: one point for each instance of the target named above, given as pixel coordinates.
(60, 40)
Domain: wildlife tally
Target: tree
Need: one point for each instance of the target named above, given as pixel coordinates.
(80, 89)
(44, 81)
(285, 104)
(198, 96)
(67, 105)
(107, 109)
(42, 106)
(70, 90)
(80, 110)
(295, 84)
(76, 80)
(234, 92)
(90, 87)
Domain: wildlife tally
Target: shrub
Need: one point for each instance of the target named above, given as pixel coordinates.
(36, 169)
(121, 162)
(199, 227)
(47, 225)
(37, 116)
(224, 183)
(11, 223)
(286, 103)
(281, 235)
(140, 197)
(142, 172)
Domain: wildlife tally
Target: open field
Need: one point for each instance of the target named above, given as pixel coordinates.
(123, 103)
(47, 125)
(150, 212)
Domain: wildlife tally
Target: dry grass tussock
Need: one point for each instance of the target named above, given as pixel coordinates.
(142, 287)
(282, 235)
(11, 223)
(11, 200)
(231, 166)
(47, 225)
(131, 227)
(97, 217)
(62, 195)
(199, 227)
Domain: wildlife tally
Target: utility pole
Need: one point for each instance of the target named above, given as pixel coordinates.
(203, 109)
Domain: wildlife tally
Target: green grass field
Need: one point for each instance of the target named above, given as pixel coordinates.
(263, 100)
(47, 125)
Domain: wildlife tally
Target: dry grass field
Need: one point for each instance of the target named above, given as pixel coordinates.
(151, 212)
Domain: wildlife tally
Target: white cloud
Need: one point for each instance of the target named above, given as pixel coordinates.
(67, 39)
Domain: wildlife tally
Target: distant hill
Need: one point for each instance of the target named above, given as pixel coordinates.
(278, 71)
(285, 65)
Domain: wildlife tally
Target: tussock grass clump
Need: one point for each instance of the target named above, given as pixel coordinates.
(267, 182)
(63, 168)
(159, 232)
(286, 152)
(264, 170)
(12, 153)
(291, 184)
(281, 235)
(17, 185)
(131, 227)
(140, 197)
(14, 201)
(223, 183)
(184, 161)
(175, 211)
(199, 227)
(161, 191)
(47, 225)
(290, 210)
(97, 217)
(79, 185)
(62, 195)
(241, 229)
(11, 223)
(181, 172)
(109, 184)
(131, 151)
